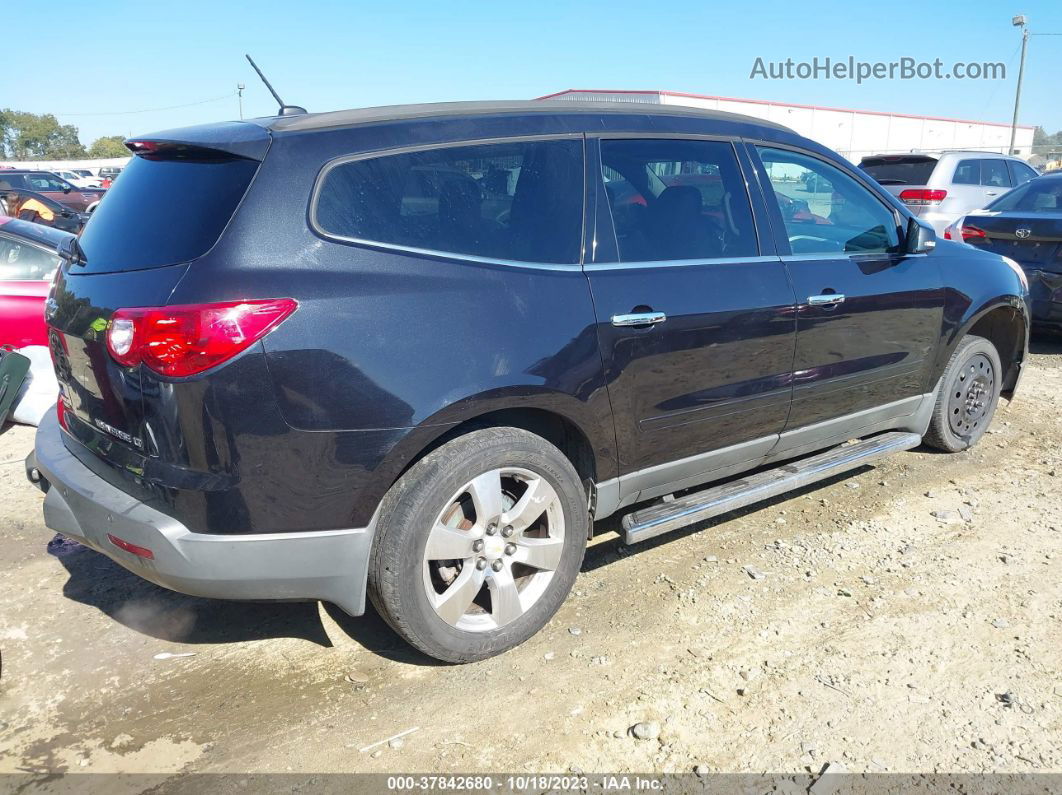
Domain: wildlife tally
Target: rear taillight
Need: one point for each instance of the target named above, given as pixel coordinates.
(919, 196)
(972, 233)
(185, 340)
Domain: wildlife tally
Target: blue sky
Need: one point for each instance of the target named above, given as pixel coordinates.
(111, 56)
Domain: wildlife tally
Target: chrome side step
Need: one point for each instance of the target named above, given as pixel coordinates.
(662, 518)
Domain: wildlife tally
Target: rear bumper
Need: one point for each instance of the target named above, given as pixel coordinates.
(1045, 297)
(329, 565)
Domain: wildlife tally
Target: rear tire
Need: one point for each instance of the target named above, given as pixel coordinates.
(478, 544)
(969, 394)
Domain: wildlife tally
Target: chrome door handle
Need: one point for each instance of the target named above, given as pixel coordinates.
(639, 319)
(828, 299)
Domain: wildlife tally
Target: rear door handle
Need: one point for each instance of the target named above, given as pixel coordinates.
(639, 319)
(828, 299)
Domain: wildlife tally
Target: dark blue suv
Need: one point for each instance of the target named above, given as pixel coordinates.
(415, 352)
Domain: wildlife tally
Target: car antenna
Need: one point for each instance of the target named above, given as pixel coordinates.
(285, 110)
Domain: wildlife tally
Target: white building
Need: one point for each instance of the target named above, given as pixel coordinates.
(852, 133)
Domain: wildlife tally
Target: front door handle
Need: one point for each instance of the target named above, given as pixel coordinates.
(827, 299)
(639, 319)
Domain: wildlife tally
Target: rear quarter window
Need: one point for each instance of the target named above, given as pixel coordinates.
(519, 200)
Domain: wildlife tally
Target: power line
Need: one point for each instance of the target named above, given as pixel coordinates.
(152, 110)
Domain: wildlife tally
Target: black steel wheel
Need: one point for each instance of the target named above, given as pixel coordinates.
(969, 394)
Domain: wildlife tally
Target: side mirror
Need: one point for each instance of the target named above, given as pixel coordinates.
(66, 189)
(920, 238)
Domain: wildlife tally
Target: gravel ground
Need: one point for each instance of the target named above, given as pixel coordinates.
(904, 618)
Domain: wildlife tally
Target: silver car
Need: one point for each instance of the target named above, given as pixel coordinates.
(942, 186)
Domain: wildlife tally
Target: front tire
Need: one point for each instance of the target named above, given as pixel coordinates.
(969, 394)
(478, 544)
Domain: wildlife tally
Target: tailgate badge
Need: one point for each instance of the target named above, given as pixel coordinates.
(128, 438)
(1022, 233)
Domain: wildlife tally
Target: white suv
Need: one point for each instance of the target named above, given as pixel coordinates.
(942, 186)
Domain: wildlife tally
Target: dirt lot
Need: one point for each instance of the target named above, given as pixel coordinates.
(905, 618)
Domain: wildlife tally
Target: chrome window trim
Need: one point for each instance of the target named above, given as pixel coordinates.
(680, 263)
(846, 255)
(342, 160)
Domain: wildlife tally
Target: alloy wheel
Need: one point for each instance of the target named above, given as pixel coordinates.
(493, 549)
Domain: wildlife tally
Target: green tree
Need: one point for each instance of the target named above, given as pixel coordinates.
(108, 146)
(33, 136)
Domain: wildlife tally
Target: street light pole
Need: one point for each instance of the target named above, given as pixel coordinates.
(1018, 22)
(239, 93)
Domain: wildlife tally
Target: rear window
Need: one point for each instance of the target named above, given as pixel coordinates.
(1037, 196)
(899, 170)
(163, 212)
(510, 201)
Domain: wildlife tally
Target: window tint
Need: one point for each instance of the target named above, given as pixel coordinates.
(899, 169)
(1043, 195)
(512, 201)
(676, 199)
(824, 209)
(46, 182)
(19, 260)
(163, 212)
(1020, 173)
(994, 173)
(12, 181)
(968, 172)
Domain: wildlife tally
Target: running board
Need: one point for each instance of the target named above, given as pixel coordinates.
(665, 517)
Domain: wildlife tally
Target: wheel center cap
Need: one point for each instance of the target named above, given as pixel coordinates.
(493, 547)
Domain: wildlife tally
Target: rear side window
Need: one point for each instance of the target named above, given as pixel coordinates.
(899, 170)
(994, 174)
(21, 261)
(518, 201)
(968, 172)
(673, 199)
(163, 212)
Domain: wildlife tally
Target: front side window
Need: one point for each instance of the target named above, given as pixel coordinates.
(1020, 173)
(994, 174)
(674, 199)
(825, 210)
(518, 201)
(968, 172)
(21, 261)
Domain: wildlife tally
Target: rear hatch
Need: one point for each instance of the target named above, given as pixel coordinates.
(170, 207)
(906, 177)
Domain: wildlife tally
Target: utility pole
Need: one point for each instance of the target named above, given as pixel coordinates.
(1019, 22)
(239, 93)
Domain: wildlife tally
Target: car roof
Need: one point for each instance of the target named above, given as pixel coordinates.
(940, 153)
(34, 233)
(357, 116)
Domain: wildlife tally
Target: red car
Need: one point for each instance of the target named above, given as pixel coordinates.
(55, 188)
(28, 260)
